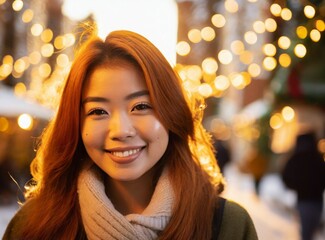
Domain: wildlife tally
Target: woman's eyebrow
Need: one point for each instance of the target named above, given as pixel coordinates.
(94, 99)
(102, 99)
(137, 94)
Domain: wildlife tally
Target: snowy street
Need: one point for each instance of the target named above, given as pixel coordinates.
(272, 212)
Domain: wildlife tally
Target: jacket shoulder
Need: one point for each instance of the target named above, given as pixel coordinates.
(236, 223)
(13, 228)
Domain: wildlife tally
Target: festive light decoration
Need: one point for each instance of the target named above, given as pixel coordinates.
(275, 52)
(278, 54)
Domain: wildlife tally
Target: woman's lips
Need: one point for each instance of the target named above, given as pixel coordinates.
(126, 156)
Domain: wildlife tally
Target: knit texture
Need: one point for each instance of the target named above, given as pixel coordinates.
(102, 221)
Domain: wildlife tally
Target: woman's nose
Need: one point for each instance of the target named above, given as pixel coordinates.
(121, 126)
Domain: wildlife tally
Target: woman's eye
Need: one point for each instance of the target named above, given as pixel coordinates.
(97, 112)
(141, 107)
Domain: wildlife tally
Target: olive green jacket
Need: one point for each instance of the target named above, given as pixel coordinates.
(236, 224)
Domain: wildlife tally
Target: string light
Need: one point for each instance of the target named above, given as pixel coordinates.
(194, 35)
(25, 121)
(300, 50)
(286, 14)
(183, 48)
(225, 56)
(218, 20)
(284, 42)
(285, 60)
(210, 65)
(208, 34)
(309, 11)
(17, 5)
(195, 74)
(301, 32)
(275, 9)
(315, 35)
(231, 6)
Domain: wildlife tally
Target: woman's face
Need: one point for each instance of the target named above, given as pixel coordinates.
(119, 128)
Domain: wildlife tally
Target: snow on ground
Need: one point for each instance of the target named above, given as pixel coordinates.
(269, 224)
(272, 211)
(6, 213)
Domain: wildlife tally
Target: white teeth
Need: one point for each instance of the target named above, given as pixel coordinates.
(126, 153)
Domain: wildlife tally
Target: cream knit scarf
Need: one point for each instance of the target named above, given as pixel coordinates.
(102, 221)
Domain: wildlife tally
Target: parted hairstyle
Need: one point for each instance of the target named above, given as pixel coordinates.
(53, 200)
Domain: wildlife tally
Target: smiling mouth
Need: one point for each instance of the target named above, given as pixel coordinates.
(125, 153)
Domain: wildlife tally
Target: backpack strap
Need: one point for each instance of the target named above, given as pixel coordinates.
(217, 217)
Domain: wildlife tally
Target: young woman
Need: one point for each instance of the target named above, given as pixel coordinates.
(121, 159)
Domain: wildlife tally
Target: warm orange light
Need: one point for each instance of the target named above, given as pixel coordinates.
(218, 20)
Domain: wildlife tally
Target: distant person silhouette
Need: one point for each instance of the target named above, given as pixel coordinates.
(304, 172)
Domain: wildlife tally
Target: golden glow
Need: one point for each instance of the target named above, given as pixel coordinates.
(194, 73)
(247, 78)
(191, 86)
(2, 2)
(194, 35)
(5, 70)
(288, 114)
(47, 50)
(19, 65)
(315, 35)
(20, 89)
(221, 83)
(276, 121)
(270, 25)
(237, 47)
(59, 42)
(231, 6)
(275, 9)
(4, 124)
(250, 37)
(300, 50)
(284, 42)
(69, 39)
(205, 90)
(27, 16)
(225, 56)
(237, 80)
(259, 26)
(34, 57)
(309, 11)
(62, 60)
(25, 121)
(209, 65)
(8, 59)
(286, 14)
(208, 34)
(36, 29)
(47, 35)
(320, 25)
(44, 70)
(183, 48)
(218, 20)
(301, 32)
(269, 63)
(254, 70)
(246, 57)
(269, 49)
(285, 60)
(17, 5)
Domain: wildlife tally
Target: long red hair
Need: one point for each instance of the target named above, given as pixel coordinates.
(54, 207)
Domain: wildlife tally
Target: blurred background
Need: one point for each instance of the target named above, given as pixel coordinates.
(259, 66)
